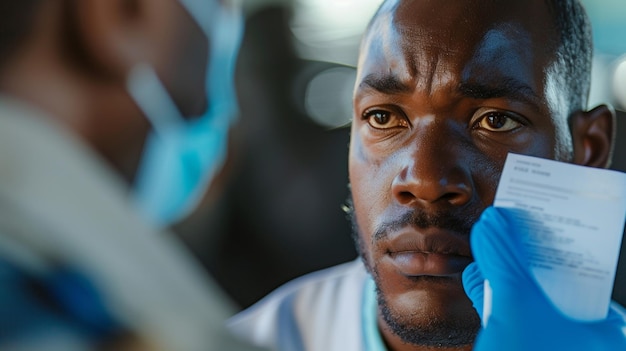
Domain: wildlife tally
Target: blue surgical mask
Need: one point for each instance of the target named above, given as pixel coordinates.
(180, 156)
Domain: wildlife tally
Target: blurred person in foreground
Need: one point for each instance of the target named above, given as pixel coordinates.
(444, 91)
(114, 116)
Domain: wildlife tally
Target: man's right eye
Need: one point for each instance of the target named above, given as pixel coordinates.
(380, 119)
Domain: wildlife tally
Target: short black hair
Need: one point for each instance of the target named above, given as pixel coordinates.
(574, 50)
(15, 25)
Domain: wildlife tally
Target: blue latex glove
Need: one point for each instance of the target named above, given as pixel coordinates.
(522, 317)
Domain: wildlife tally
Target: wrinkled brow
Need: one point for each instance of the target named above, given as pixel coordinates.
(506, 88)
(386, 84)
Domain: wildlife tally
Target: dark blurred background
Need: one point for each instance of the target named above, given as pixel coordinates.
(280, 214)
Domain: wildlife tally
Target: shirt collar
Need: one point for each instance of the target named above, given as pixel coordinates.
(373, 339)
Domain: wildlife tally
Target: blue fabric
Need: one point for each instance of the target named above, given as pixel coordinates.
(63, 300)
(522, 318)
(289, 338)
(80, 299)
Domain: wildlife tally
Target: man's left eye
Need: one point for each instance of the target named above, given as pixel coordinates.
(498, 122)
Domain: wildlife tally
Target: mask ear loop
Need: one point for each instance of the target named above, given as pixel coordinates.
(203, 12)
(226, 36)
(153, 99)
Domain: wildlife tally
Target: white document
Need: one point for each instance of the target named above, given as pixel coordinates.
(575, 220)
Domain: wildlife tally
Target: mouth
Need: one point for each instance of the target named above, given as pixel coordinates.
(432, 252)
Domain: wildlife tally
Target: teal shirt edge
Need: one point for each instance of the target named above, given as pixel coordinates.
(372, 338)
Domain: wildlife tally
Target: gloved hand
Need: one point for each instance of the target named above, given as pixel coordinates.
(522, 317)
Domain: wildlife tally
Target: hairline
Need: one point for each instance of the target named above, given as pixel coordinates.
(572, 51)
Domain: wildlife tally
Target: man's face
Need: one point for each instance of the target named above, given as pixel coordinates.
(444, 90)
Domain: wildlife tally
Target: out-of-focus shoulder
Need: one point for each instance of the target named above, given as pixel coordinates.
(317, 309)
(352, 270)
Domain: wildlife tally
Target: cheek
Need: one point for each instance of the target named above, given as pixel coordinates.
(370, 182)
(367, 178)
(553, 146)
(487, 163)
(541, 143)
(366, 197)
(486, 174)
(487, 157)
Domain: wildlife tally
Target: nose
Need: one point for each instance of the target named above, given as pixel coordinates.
(433, 173)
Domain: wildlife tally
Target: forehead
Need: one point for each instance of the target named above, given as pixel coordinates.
(434, 42)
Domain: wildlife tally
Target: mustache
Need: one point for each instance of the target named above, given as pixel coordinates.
(460, 224)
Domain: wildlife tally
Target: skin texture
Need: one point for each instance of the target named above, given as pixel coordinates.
(444, 91)
(74, 61)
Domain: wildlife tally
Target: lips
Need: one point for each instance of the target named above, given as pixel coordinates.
(430, 252)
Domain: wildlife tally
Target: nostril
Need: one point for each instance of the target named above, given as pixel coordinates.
(431, 193)
(458, 197)
(405, 197)
(449, 197)
(431, 183)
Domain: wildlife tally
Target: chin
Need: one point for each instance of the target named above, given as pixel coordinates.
(434, 313)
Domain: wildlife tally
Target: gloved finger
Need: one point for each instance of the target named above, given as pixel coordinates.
(473, 283)
(616, 315)
(497, 247)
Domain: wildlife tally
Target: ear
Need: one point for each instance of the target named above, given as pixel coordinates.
(109, 34)
(593, 135)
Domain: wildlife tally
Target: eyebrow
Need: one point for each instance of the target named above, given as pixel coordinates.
(507, 88)
(386, 84)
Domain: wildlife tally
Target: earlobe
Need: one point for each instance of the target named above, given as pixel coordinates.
(593, 135)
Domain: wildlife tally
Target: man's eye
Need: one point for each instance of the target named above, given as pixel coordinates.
(498, 122)
(380, 119)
